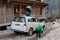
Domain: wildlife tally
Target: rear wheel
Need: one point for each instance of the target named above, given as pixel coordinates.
(30, 32)
(16, 32)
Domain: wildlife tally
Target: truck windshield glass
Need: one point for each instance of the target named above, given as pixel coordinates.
(19, 19)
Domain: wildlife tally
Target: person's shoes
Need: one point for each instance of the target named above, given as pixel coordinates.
(39, 36)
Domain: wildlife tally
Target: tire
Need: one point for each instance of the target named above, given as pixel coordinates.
(30, 33)
(44, 26)
(3, 28)
(16, 32)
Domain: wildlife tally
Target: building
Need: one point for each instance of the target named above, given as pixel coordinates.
(11, 8)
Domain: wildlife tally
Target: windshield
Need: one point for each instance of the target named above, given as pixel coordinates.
(19, 19)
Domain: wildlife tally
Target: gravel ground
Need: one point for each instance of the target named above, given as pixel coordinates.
(52, 32)
(52, 35)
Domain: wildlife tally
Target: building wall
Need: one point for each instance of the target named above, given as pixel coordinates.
(1, 14)
(6, 14)
(35, 12)
(9, 13)
(59, 6)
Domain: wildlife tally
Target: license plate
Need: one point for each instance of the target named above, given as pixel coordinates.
(17, 24)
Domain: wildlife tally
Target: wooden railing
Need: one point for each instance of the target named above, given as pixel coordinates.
(25, 0)
(20, 0)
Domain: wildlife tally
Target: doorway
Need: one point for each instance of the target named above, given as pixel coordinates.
(16, 9)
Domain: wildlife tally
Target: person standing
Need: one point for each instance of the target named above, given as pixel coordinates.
(39, 29)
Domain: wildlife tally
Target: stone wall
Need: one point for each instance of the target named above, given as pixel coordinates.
(36, 12)
(9, 14)
(1, 14)
(6, 14)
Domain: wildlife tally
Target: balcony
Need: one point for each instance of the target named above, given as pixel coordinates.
(3, 1)
(28, 0)
(22, 0)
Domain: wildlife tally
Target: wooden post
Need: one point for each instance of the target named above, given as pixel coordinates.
(41, 10)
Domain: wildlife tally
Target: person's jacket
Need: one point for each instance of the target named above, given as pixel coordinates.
(39, 28)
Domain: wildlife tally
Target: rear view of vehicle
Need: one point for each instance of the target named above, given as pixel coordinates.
(19, 24)
(25, 24)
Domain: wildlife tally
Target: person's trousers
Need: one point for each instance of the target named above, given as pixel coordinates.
(38, 33)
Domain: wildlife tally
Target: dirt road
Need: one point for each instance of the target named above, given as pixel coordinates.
(47, 35)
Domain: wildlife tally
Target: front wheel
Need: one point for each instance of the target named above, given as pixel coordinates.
(30, 32)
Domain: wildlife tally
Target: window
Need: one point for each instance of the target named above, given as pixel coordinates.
(19, 19)
(38, 20)
(29, 20)
(34, 19)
